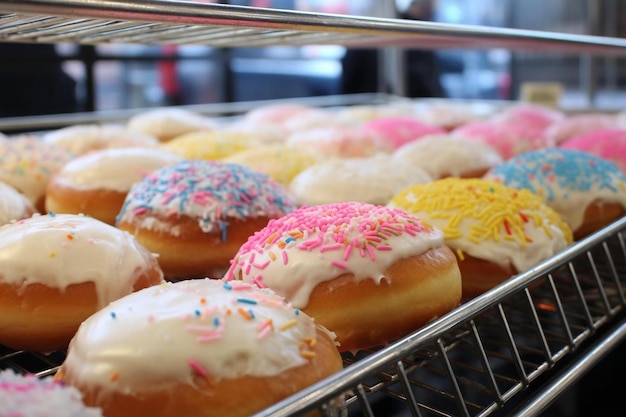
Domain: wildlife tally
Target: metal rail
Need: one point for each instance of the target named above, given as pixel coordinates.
(186, 22)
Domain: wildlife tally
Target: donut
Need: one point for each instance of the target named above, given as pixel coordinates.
(276, 113)
(580, 124)
(96, 184)
(13, 205)
(197, 348)
(449, 115)
(448, 156)
(339, 141)
(282, 163)
(399, 130)
(27, 164)
(80, 139)
(196, 214)
(537, 116)
(168, 122)
(495, 231)
(609, 144)
(209, 144)
(509, 139)
(29, 396)
(62, 269)
(368, 180)
(368, 273)
(585, 190)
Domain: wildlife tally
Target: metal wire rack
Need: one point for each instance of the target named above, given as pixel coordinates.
(188, 22)
(482, 359)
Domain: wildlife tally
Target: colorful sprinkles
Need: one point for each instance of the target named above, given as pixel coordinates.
(342, 231)
(496, 213)
(556, 173)
(210, 191)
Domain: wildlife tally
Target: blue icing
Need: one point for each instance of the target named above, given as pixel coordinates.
(548, 171)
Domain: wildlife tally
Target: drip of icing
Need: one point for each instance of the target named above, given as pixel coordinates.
(207, 328)
(61, 250)
(208, 191)
(489, 221)
(293, 254)
(569, 180)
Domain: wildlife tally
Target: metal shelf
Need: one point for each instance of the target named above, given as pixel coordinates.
(484, 358)
(179, 22)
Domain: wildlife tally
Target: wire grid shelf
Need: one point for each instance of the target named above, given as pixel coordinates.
(227, 26)
(478, 358)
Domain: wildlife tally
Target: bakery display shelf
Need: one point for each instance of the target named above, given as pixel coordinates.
(510, 351)
(188, 22)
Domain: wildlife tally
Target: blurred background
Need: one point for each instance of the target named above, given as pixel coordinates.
(109, 77)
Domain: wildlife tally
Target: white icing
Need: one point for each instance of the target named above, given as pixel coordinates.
(295, 274)
(114, 169)
(371, 180)
(169, 122)
(66, 249)
(27, 163)
(13, 205)
(339, 141)
(149, 337)
(29, 396)
(441, 155)
(80, 139)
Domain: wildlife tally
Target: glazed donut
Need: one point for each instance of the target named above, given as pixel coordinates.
(282, 163)
(537, 116)
(96, 184)
(448, 156)
(62, 269)
(27, 164)
(495, 231)
(609, 144)
(13, 205)
(193, 348)
(80, 139)
(168, 122)
(340, 141)
(29, 396)
(277, 113)
(587, 191)
(209, 144)
(368, 273)
(399, 130)
(371, 180)
(196, 214)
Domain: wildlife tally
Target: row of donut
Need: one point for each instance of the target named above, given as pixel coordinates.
(369, 273)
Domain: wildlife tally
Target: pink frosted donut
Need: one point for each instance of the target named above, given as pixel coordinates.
(368, 273)
(580, 124)
(343, 142)
(509, 139)
(539, 117)
(609, 144)
(397, 131)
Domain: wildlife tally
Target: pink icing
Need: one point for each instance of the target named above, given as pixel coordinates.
(609, 144)
(398, 131)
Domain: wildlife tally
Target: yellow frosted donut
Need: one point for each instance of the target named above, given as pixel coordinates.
(282, 163)
(209, 144)
(495, 231)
